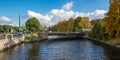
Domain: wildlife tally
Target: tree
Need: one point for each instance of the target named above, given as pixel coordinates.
(77, 27)
(6, 28)
(111, 22)
(85, 23)
(33, 24)
(71, 25)
(1, 28)
(16, 28)
(98, 31)
(82, 23)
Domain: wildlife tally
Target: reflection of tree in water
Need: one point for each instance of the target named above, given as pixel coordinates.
(112, 54)
(33, 52)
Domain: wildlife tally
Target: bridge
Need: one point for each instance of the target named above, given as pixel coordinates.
(65, 33)
(69, 34)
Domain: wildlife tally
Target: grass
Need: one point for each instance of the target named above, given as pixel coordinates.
(114, 41)
(31, 37)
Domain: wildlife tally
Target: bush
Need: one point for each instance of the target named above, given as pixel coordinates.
(27, 37)
(32, 37)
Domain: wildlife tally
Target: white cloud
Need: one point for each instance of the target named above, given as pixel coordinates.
(68, 6)
(5, 20)
(62, 14)
(92, 15)
(56, 15)
(42, 18)
(39, 16)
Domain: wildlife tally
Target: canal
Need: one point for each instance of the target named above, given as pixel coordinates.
(73, 49)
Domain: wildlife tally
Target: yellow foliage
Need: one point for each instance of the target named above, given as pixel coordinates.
(112, 21)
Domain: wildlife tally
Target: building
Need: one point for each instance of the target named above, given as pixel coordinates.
(45, 28)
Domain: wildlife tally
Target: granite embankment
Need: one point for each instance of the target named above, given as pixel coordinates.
(8, 40)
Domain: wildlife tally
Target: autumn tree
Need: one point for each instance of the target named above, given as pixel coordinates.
(112, 20)
(71, 25)
(85, 23)
(82, 23)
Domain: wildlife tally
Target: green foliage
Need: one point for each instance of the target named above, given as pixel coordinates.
(33, 24)
(28, 37)
(32, 37)
(9, 28)
(5, 28)
(22, 28)
(112, 20)
(16, 28)
(76, 24)
(98, 31)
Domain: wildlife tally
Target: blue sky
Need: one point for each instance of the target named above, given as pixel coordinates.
(43, 9)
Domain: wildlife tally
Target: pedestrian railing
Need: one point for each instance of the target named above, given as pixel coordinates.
(9, 36)
(2, 36)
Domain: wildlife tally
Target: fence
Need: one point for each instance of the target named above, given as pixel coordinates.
(2, 36)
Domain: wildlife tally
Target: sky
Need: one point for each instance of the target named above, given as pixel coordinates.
(50, 12)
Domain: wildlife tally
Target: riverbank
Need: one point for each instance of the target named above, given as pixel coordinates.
(72, 49)
(35, 37)
(9, 40)
(30, 41)
(114, 41)
(37, 40)
(63, 38)
(104, 43)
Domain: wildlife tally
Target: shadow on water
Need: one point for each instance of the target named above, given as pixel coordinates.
(33, 52)
(73, 49)
(111, 53)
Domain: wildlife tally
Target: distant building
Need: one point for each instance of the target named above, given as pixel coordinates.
(45, 28)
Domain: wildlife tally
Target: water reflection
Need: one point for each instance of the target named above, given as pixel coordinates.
(59, 36)
(72, 50)
(33, 52)
(61, 50)
(15, 53)
(112, 53)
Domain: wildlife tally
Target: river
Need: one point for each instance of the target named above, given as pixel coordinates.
(74, 49)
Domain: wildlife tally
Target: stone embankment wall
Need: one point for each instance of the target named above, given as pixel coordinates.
(9, 40)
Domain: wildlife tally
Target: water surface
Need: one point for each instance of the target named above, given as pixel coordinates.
(75, 49)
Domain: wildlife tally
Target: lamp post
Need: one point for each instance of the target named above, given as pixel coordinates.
(19, 23)
(19, 27)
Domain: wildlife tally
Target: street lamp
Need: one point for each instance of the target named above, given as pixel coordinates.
(19, 24)
(19, 27)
